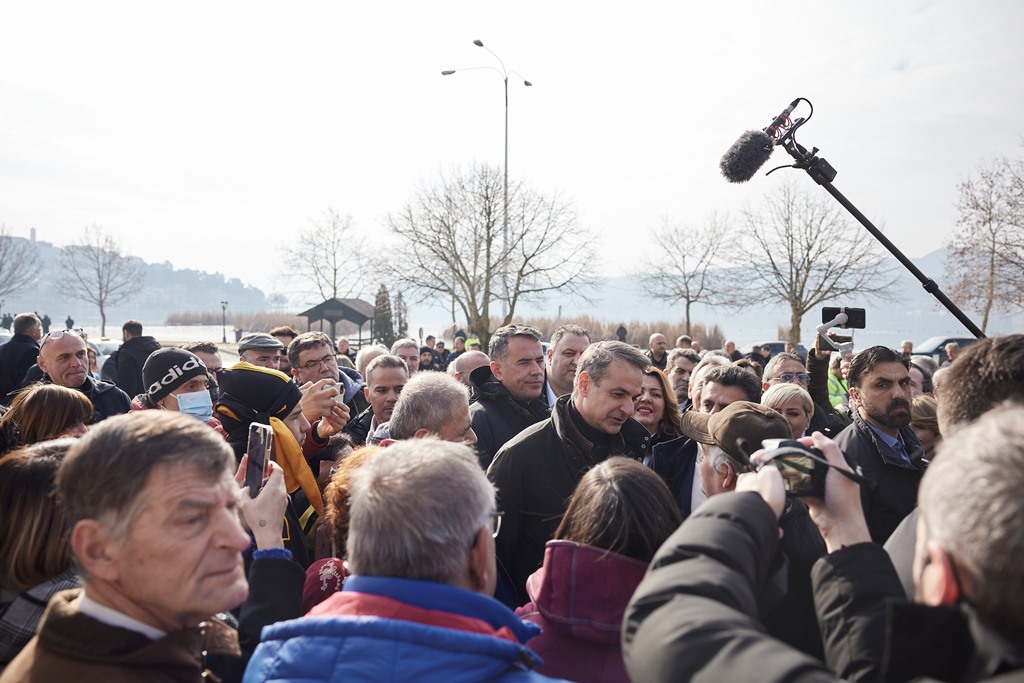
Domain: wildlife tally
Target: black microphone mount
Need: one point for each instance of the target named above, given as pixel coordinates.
(823, 173)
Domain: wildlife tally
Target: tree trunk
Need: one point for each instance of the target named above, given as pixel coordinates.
(794, 326)
(103, 322)
(688, 304)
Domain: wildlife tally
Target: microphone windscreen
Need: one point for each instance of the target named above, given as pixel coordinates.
(749, 153)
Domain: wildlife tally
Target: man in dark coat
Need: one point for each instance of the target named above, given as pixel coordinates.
(64, 360)
(508, 391)
(19, 353)
(880, 441)
(538, 470)
(124, 367)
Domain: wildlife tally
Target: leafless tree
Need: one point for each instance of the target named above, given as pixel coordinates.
(327, 257)
(803, 251)
(19, 263)
(451, 245)
(684, 267)
(96, 271)
(987, 252)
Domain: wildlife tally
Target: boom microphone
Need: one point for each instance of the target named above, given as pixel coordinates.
(741, 161)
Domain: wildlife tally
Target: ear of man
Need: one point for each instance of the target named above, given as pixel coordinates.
(938, 581)
(96, 549)
(481, 569)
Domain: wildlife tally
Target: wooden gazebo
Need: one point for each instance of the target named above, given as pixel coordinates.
(333, 310)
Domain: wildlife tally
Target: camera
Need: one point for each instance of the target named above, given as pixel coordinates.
(803, 469)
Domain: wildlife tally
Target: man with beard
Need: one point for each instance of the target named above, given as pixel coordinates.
(880, 441)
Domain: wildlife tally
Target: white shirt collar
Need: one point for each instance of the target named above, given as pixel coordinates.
(110, 616)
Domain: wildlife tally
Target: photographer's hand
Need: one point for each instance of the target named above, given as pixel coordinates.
(840, 516)
(318, 399)
(767, 482)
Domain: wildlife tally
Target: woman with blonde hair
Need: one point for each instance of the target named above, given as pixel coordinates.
(794, 403)
(925, 424)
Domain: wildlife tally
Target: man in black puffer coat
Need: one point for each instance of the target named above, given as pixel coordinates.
(509, 390)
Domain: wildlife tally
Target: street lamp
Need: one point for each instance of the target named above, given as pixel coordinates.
(224, 321)
(504, 73)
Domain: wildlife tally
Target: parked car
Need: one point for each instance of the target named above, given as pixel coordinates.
(104, 348)
(776, 346)
(936, 347)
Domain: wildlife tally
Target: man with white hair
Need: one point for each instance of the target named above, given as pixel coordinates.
(418, 605)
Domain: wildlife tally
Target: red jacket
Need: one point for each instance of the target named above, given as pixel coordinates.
(578, 597)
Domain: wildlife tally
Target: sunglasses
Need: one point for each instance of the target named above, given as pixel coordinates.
(57, 334)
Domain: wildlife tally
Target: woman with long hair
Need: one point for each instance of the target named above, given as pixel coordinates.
(618, 517)
(35, 549)
(42, 412)
(672, 453)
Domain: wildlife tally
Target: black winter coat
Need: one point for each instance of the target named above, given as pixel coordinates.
(16, 357)
(535, 474)
(894, 494)
(124, 367)
(694, 616)
(497, 416)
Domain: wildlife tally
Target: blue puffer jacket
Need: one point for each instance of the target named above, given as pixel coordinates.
(355, 647)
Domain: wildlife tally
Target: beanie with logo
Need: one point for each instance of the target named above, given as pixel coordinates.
(167, 369)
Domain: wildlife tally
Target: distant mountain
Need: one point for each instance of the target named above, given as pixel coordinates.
(164, 290)
(908, 312)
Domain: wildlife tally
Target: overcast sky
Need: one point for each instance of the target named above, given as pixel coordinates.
(207, 133)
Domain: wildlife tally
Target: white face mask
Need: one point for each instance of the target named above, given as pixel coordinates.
(198, 404)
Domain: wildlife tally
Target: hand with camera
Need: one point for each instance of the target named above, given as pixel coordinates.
(766, 482)
(838, 515)
(323, 406)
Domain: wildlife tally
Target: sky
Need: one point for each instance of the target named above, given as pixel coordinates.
(208, 134)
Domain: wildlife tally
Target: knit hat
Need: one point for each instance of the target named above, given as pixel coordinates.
(167, 369)
(258, 340)
(744, 421)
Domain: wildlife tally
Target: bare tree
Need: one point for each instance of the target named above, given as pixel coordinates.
(683, 269)
(451, 245)
(95, 271)
(803, 251)
(986, 258)
(19, 263)
(328, 258)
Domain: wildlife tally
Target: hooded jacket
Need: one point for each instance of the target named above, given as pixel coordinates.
(578, 598)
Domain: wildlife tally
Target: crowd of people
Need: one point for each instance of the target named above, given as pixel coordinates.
(591, 511)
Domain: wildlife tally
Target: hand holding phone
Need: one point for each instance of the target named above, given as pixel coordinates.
(259, 451)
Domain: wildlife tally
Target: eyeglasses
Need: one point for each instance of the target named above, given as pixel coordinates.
(495, 518)
(789, 378)
(496, 522)
(328, 360)
(57, 334)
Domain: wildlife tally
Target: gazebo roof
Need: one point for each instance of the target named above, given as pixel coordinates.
(333, 310)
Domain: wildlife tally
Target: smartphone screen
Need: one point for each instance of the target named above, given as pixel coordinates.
(261, 440)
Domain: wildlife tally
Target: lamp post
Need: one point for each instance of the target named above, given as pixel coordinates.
(224, 321)
(504, 73)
